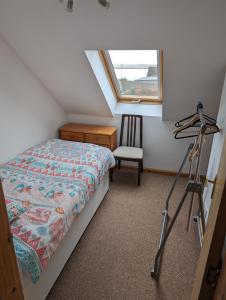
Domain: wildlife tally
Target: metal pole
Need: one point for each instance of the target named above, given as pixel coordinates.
(190, 212)
(199, 158)
(193, 186)
(165, 212)
(202, 215)
(178, 175)
(155, 271)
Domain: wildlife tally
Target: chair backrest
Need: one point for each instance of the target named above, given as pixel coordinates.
(133, 123)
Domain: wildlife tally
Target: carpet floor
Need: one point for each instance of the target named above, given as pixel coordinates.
(114, 255)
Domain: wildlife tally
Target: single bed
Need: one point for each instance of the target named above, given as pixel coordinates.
(59, 185)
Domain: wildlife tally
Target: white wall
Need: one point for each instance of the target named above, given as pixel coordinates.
(28, 113)
(161, 150)
(216, 151)
(191, 33)
(52, 42)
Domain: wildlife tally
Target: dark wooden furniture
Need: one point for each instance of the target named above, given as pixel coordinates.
(132, 151)
(10, 285)
(94, 134)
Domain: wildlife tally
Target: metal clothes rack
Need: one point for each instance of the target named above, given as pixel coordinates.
(194, 185)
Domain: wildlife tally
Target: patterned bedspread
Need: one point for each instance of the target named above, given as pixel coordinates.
(53, 181)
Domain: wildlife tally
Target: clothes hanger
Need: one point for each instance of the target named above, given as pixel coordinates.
(188, 124)
(178, 124)
(208, 128)
(199, 108)
(207, 118)
(198, 120)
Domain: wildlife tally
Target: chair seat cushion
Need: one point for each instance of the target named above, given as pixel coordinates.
(128, 152)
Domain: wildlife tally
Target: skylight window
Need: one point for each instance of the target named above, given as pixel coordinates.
(135, 75)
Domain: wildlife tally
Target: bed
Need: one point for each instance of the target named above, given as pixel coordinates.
(52, 190)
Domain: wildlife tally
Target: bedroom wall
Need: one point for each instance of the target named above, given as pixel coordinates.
(191, 33)
(161, 150)
(52, 42)
(28, 113)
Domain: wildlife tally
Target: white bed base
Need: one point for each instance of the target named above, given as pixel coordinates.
(40, 290)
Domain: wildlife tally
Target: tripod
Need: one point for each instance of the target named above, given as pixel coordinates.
(193, 187)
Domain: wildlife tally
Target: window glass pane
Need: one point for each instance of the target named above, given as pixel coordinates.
(136, 72)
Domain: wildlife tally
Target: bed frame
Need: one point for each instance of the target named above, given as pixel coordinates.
(40, 290)
(10, 285)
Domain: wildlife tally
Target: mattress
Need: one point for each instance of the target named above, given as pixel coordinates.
(53, 181)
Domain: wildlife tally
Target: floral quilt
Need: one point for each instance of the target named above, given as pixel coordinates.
(53, 182)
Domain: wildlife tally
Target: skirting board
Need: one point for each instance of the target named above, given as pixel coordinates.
(158, 171)
(40, 290)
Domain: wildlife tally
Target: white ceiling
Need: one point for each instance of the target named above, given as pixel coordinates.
(52, 41)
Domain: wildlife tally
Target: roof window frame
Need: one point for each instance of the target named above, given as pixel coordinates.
(132, 99)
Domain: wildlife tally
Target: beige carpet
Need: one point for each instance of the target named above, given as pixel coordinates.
(113, 258)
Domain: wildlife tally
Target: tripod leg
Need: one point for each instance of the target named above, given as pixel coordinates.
(155, 270)
(178, 175)
(190, 211)
(202, 214)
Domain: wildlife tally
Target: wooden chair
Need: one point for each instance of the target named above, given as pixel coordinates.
(132, 151)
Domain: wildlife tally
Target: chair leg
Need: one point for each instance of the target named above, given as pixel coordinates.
(111, 174)
(139, 169)
(119, 164)
(142, 168)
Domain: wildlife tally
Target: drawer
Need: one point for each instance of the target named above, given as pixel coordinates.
(72, 136)
(97, 139)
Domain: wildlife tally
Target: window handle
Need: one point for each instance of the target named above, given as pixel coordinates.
(136, 101)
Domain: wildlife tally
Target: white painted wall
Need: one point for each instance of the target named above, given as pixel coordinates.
(52, 42)
(28, 113)
(161, 150)
(216, 151)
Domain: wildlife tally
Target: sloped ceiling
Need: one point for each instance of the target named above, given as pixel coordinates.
(52, 41)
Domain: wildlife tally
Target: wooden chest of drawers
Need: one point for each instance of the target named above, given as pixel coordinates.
(93, 134)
